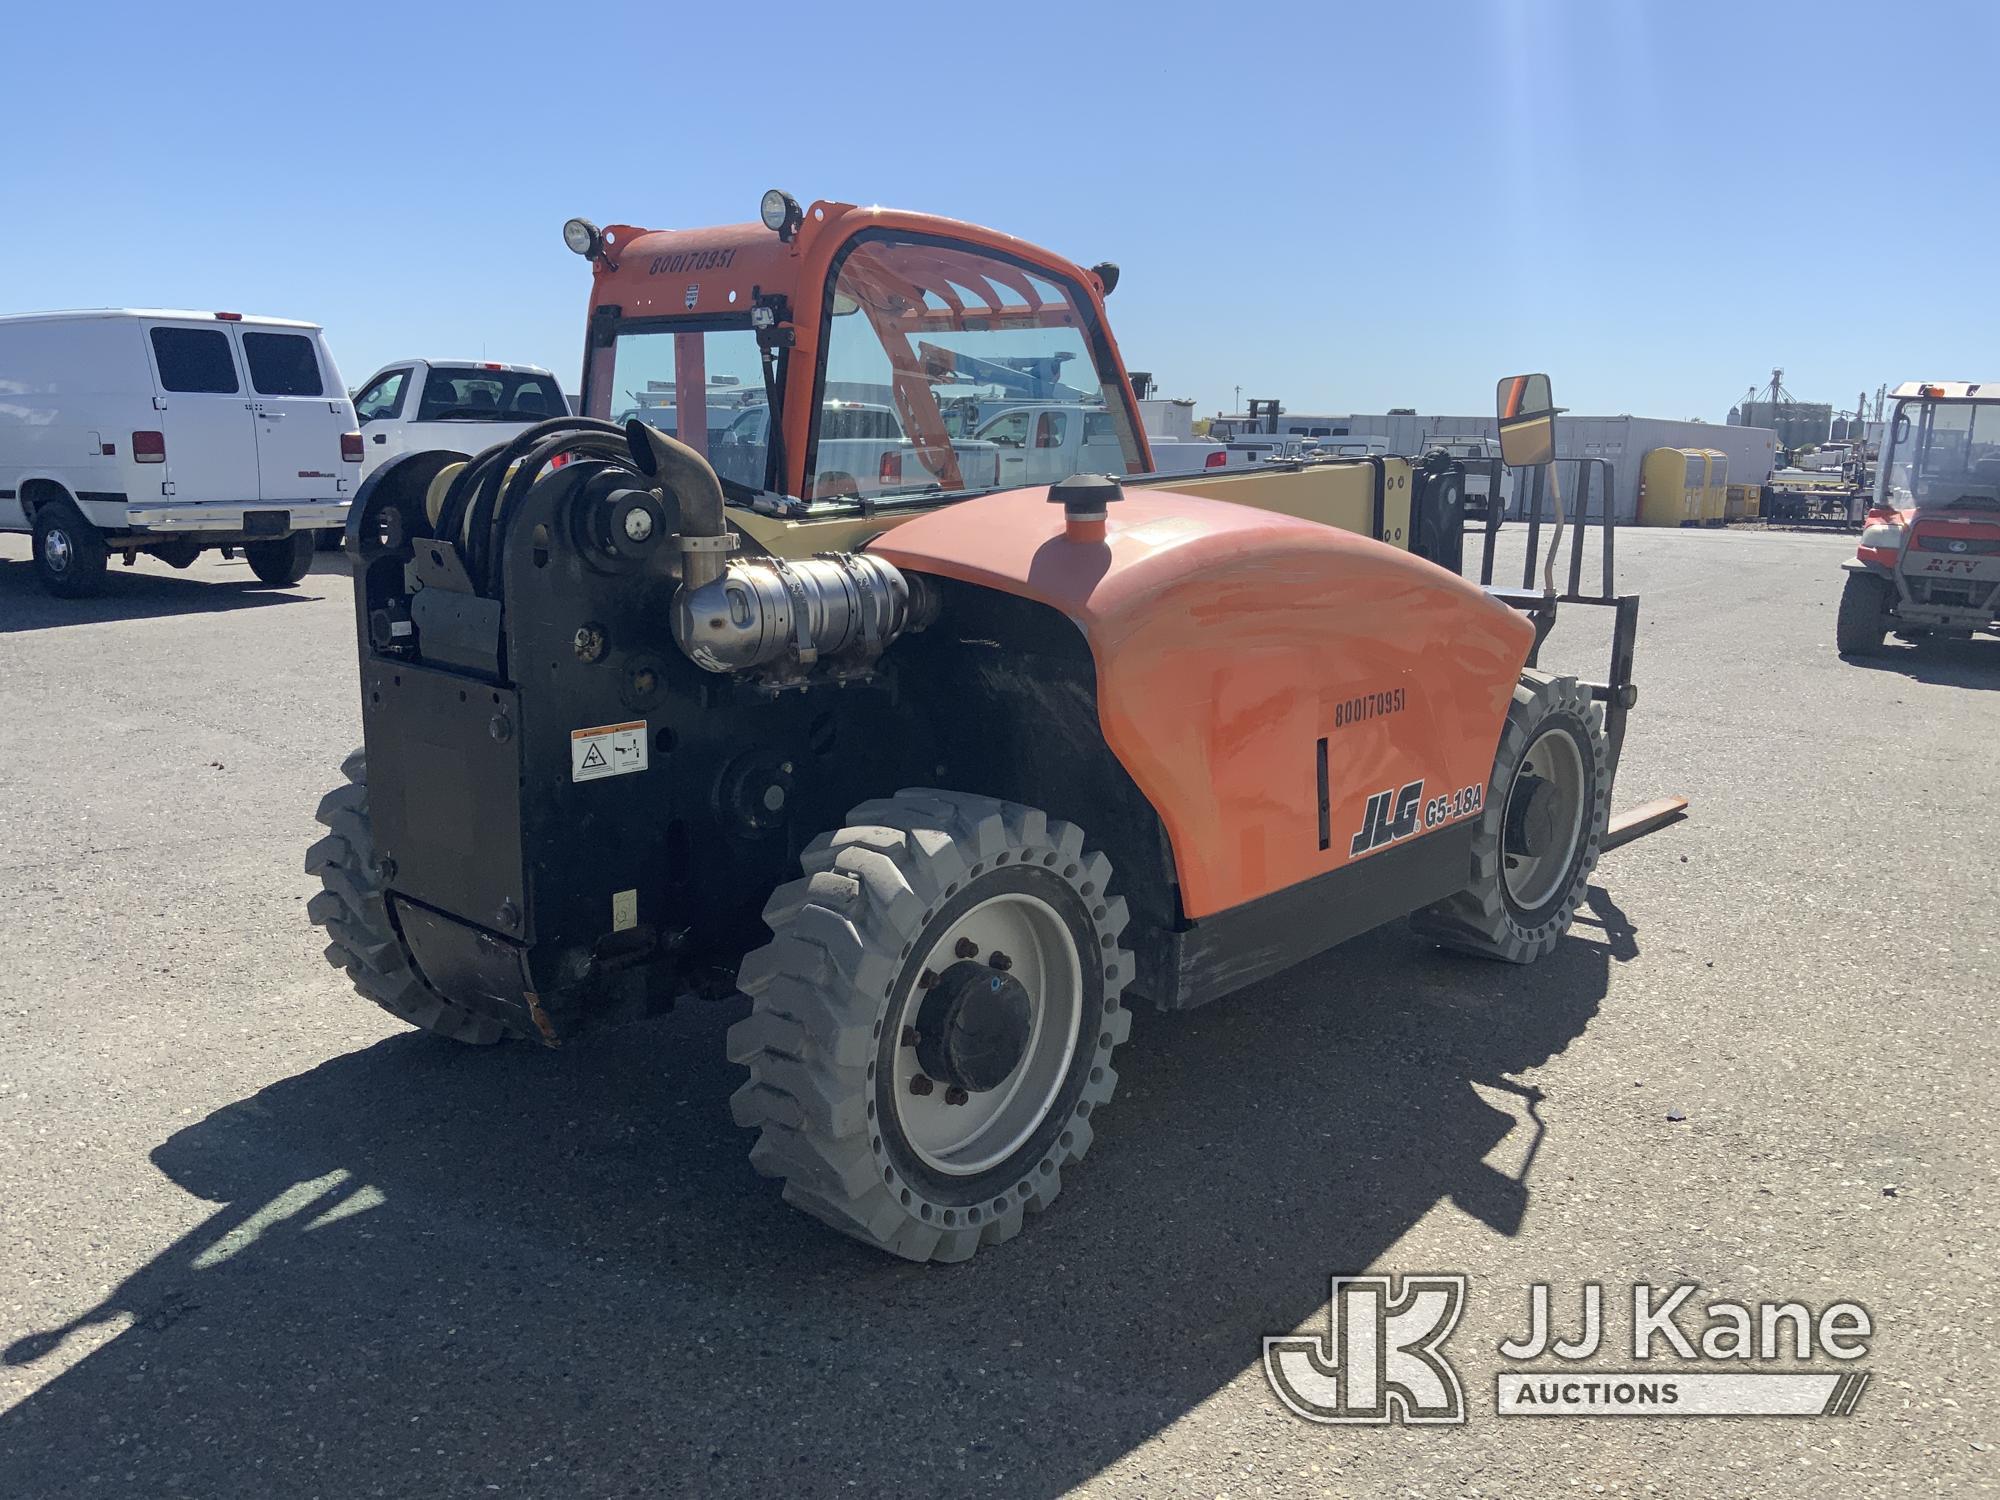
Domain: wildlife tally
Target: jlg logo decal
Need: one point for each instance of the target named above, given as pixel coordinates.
(1380, 826)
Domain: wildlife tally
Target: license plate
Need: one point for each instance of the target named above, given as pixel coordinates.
(266, 522)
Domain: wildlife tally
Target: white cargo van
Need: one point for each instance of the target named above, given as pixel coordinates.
(128, 430)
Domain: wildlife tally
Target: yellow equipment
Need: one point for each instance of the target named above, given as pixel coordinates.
(1673, 485)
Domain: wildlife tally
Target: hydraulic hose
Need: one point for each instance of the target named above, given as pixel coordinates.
(471, 506)
(1556, 540)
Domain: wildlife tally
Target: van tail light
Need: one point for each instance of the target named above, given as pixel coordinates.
(891, 470)
(350, 447)
(1216, 459)
(149, 447)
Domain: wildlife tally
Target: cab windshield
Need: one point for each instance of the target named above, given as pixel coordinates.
(1944, 453)
(977, 374)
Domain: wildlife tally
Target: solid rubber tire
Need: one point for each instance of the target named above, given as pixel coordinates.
(363, 942)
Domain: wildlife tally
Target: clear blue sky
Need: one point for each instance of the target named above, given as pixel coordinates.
(1347, 207)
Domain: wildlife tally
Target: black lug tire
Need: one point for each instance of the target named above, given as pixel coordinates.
(282, 562)
(1482, 919)
(81, 548)
(847, 941)
(1863, 619)
(363, 942)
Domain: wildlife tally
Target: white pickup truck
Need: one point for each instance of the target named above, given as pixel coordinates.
(862, 450)
(1046, 443)
(415, 405)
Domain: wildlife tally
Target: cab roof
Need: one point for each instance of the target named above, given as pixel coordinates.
(80, 314)
(1948, 390)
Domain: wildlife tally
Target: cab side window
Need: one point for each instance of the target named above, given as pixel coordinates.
(196, 360)
(384, 398)
(1009, 431)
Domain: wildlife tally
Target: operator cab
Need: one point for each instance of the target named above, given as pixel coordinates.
(858, 357)
(1942, 450)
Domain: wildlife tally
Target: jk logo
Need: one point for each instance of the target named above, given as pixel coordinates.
(1381, 1361)
(1380, 826)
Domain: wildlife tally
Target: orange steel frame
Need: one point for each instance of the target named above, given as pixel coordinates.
(699, 275)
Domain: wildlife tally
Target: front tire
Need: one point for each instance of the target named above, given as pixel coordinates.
(1864, 615)
(1541, 831)
(363, 942)
(986, 922)
(283, 562)
(70, 554)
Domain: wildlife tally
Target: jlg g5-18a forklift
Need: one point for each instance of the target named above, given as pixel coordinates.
(778, 686)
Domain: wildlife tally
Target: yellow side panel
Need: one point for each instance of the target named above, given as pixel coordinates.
(1334, 494)
(1340, 495)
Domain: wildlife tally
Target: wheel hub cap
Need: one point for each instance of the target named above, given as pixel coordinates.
(1531, 816)
(970, 1087)
(55, 547)
(973, 1027)
(1545, 820)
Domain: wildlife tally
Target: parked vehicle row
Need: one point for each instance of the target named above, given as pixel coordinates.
(170, 433)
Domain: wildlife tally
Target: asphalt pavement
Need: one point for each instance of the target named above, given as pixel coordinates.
(258, 1239)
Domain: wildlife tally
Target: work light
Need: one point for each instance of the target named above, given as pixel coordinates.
(582, 236)
(780, 212)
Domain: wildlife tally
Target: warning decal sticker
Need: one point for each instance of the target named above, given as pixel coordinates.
(608, 750)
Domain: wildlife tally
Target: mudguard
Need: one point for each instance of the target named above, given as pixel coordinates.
(1289, 697)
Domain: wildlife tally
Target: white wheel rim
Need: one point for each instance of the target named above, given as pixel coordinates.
(1533, 879)
(55, 547)
(961, 1140)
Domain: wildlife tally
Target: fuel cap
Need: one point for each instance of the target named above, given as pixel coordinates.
(1083, 497)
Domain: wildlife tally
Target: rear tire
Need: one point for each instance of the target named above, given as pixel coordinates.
(920, 886)
(70, 554)
(1553, 769)
(364, 942)
(283, 562)
(1864, 615)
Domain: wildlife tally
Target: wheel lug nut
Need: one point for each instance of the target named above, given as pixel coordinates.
(920, 1085)
(909, 1036)
(1000, 961)
(954, 1095)
(926, 979)
(966, 948)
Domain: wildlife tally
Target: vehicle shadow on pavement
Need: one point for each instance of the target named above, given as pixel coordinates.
(439, 1271)
(1959, 664)
(130, 595)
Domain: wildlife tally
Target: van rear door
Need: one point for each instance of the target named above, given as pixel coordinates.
(300, 413)
(211, 442)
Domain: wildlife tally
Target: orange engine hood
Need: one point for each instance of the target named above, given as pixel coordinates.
(1229, 642)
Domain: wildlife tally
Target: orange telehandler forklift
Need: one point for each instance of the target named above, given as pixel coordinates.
(766, 688)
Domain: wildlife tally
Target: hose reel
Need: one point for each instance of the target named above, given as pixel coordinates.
(638, 500)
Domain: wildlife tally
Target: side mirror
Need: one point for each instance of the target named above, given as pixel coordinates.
(1902, 427)
(1527, 416)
